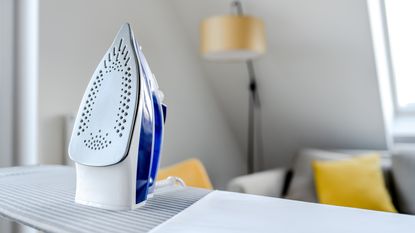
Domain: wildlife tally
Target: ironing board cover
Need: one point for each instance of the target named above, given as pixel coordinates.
(43, 197)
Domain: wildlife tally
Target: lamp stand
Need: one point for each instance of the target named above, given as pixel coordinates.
(253, 103)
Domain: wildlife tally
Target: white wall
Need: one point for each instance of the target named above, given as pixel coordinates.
(6, 81)
(6, 91)
(73, 37)
(317, 81)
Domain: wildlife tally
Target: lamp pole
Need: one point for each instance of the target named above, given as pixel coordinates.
(254, 103)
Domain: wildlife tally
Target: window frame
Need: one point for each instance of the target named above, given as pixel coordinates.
(398, 111)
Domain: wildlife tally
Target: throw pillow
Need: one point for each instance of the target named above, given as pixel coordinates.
(355, 182)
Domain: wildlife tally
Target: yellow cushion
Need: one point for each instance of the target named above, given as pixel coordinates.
(191, 171)
(355, 182)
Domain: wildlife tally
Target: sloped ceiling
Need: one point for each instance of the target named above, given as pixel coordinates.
(317, 81)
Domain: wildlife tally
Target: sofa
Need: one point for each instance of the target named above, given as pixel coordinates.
(297, 182)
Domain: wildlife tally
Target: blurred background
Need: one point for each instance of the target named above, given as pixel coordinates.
(325, 80)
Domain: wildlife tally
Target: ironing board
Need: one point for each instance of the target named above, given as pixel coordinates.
(43, 197)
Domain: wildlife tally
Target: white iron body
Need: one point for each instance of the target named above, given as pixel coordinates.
(95, 185)
(113, 152)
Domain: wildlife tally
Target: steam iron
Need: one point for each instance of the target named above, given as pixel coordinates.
(118, 132)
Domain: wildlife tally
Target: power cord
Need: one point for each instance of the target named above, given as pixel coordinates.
(170, 181)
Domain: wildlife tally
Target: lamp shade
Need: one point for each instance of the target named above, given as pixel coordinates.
(232, 37)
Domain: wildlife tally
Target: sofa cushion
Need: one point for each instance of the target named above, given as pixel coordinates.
(355, 182)
(403, 173)
(302, 186)
(266, 183)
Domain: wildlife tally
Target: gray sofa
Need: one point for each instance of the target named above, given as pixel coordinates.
(297, 182)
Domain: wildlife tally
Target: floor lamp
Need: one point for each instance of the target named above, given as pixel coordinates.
(237, 37)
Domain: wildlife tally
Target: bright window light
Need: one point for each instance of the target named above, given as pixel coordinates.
(400, 19)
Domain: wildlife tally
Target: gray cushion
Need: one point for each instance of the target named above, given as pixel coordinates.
(302, 186)
(403, 172)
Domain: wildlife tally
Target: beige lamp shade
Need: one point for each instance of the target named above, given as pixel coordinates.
(232, 37)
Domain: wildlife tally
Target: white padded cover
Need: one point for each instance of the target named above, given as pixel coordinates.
(43, 197)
